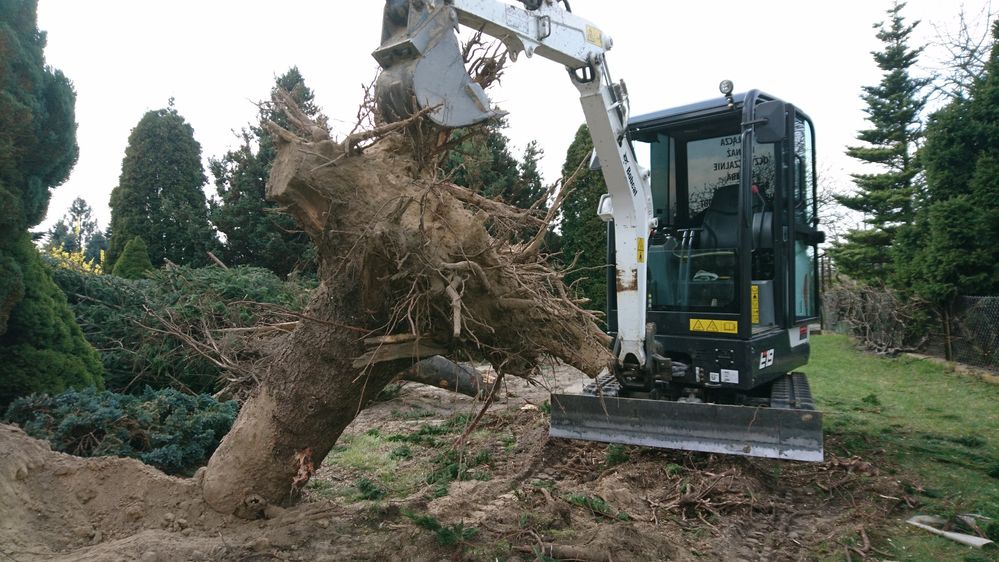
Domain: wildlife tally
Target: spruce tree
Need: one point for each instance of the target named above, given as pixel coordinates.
(134, 260)
(96, 247)
(531, 186)
(952, 248)
(73, 232)
(584, 234)
(255, 232)
(41, 347)
(37, 137)
(159, 194)
(885, 197)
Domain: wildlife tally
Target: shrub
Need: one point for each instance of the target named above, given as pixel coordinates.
(616, 454)
(43, 349)
(174, 432)
(134, 261)
(123, 318)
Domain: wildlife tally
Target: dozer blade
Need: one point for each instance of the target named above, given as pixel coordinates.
(779, 433)
(423, 67)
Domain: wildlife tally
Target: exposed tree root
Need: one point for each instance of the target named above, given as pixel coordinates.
(421, 266)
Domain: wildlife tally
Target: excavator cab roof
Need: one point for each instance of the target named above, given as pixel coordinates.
(693, 111)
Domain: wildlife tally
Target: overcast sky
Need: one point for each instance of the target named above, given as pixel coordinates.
(217, 57)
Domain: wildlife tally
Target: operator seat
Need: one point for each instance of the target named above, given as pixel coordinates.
(721, 226)
(721, 219)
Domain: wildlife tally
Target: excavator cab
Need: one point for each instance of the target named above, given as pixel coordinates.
(732, 289)
(732, 261)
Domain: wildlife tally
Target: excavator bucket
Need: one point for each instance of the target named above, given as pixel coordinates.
(789, 429)
(423, 67)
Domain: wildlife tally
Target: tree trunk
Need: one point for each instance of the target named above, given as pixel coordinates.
(410, 267)
(310, 394)
(948, 336)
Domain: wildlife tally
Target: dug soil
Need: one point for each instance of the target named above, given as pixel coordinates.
(396, 488)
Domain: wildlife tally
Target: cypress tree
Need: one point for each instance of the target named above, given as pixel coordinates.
(256, 233)
(37, 137)
(584, 234)
(134, 260)
(886, 197)
(481, 160)
(159, 194)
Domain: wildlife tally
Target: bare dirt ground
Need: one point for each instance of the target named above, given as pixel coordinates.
(396, 489)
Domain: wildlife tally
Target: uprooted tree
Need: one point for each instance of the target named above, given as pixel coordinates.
(410, 266)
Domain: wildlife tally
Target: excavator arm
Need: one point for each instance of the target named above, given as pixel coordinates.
(423, 68)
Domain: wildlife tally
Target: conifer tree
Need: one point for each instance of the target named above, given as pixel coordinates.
(159, 194)
(41, 347)
(482, 160)
(584, 234)
(73, 232)
(531, 186)
(134, 260)
(952, 248)
(37, 137)
(885, 197)
(255, 232)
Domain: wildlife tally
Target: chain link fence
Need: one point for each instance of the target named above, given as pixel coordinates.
(974, 333)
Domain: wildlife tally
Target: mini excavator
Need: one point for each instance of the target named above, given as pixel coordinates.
(713, 246)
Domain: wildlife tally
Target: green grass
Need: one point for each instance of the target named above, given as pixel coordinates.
(413, 413)
(455, 464)
(375, 456)
(429, 435)
(939, 429)
(369, 490)
(322, 488)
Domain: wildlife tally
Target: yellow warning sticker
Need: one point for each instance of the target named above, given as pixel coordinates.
(594, 36)
(641, 250)
(715, 326)
(755, 300)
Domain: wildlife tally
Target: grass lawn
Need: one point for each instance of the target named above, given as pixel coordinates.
(939, 431)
